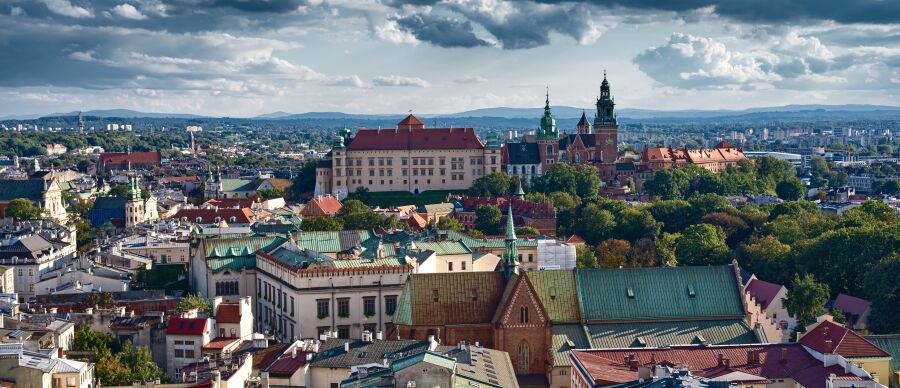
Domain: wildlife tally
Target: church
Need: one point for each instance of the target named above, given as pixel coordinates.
(597, 143)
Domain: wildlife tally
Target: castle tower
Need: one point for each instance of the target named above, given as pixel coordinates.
(510, 251)
(548, 138)
(81, 121)
(606, 128)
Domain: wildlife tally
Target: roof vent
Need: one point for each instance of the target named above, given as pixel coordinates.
(690, 291)
(630, 293)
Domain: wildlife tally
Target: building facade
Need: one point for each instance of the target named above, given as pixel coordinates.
(409, 158)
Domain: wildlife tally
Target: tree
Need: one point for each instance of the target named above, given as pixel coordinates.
(790, 189)
(527, 231)
(193, 301)
(613, 253)
(735, 228)
(357, 216)
(270, 193)
(22, 209)
(110, 370)
(634, 224)
(584, 257)
(594, 223)
(322, 224)
(587, 181)
(361, 194)
(102, 300)
(305, 180)
(890, 187)
(89, 340)
(488, 219)
(806, 299)
(450, 223)
(768, 258)
(665, 249)
(674, 214)
(882, 287)
(838, 316)
(496, 184)
(702, 244)
(669, 183)
(643, 253)
(140, 361)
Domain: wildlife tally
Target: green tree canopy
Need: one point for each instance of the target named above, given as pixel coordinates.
(22, 209)
(488, 219)
(613, 253)
(790, 189)
(450, 223)
(806, 299)
(702, 244)
(496, 184)
(355, 215)
(193, 301)
(322, 224)
(594, 223)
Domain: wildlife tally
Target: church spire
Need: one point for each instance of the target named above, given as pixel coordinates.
(510, 251)
(605, 105)
(548, 123)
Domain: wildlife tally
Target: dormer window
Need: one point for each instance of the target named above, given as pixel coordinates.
(199, 220)
(630, 293)
(232, 219)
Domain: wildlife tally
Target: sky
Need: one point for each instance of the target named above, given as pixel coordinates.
(241, 58)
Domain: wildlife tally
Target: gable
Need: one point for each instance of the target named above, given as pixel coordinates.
(646, 294)
(522, 295)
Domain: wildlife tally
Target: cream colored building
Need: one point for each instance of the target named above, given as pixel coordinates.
(409, 158)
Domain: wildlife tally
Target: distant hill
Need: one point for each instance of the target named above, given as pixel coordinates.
(560, 112)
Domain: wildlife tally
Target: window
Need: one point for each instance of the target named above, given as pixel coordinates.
(523, 314)
(343, 331)
(343, 307)
(292, 306)
(370, 327)
(221, 332)
(369, 306)
(390, 304)
(462, 265)
(450, 266)
(523, 358)
(70, 381)
(322, 309)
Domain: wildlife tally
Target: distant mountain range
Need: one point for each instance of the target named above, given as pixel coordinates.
(560, 112)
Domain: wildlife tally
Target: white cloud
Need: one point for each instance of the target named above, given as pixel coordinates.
(397, 80)
(471, 80)
(390, 31)
(16, 11)
(128, 11)
(84, 56)
(351, 81)
(65, 8)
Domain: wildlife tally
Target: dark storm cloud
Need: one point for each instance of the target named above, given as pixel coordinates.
(441, 31)
(275, 6)
(772, 11)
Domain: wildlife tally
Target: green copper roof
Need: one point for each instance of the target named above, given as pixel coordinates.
(548, 123)
(217, 264)
(557, 292)
(450, 298)
(242, 246)
(656, 334)
(358, 263)
(239, 184)
(659, 293)
(565, 338)
(489, 242)
(889, 343)
(403, 314)
(332, 242)
(442, 248)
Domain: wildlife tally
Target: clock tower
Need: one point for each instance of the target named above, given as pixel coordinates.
(605, 126)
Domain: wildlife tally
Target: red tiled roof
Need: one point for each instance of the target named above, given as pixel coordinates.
(763, 291)
(416, 221)
(286, 365)
(265, 357)
(776, 361)
(843, 341)
(133, 157)
(575, 239)
(208, 216)
(228, 313)
(179, 179)
(415, 138)
(327, 205)
(411, 120)
(851, 304)
(220, 343)
(186, 326)
(232, 202)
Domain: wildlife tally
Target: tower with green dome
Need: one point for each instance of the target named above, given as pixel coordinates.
(548, 138)
(607, 129)
(548, 129)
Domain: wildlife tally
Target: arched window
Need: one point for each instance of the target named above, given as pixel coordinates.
(232, 219)
(533, 170)
(523, 314)
(577, 158)
(199, 220)
(522, 358)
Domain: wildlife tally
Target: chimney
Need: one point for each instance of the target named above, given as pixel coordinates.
(644, 373)
(347, 346)
(379, 335)
(721, 358)
(829, 346)
(294, 352)
(726, 362)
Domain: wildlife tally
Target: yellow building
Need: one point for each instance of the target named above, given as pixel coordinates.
(409, 158)
(827, 337)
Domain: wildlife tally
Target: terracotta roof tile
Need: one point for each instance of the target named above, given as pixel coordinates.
(208, 216)
(186, 326)
(228, 313)
(843, 341)
(327, 205)
(415, 138)
(133, 157)
(763, 291)
(851, 304)
(220, 343)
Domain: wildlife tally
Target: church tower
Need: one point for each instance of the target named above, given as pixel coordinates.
(134, 207)
(548, 138)
(584, 126)
(605, 126)
(510, 251)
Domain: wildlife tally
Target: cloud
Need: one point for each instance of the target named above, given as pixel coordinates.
(262, 6)
(351, 81)
(390, 31)
(441, 31)
(16, 11)
(396, 80)
(128, 11)
(793, 60)
(470, 80)
(65, 8)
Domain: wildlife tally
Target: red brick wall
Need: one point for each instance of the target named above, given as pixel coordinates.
(512, 332)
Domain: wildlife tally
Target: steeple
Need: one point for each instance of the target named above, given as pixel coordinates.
(548, 123)
(510, 252)
(134, 191)
(584, 126)
(605, 105)
(519, 192)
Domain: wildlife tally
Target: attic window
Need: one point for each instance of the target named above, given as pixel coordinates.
(553, 293)
(362, 355)
(638, 343)
(698, 340)
(691, 292)
(630, 293)
(474, 294)
(434, 296)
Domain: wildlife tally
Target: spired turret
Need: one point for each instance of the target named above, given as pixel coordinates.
(606, 114)
(548, 123)
(510, 251)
